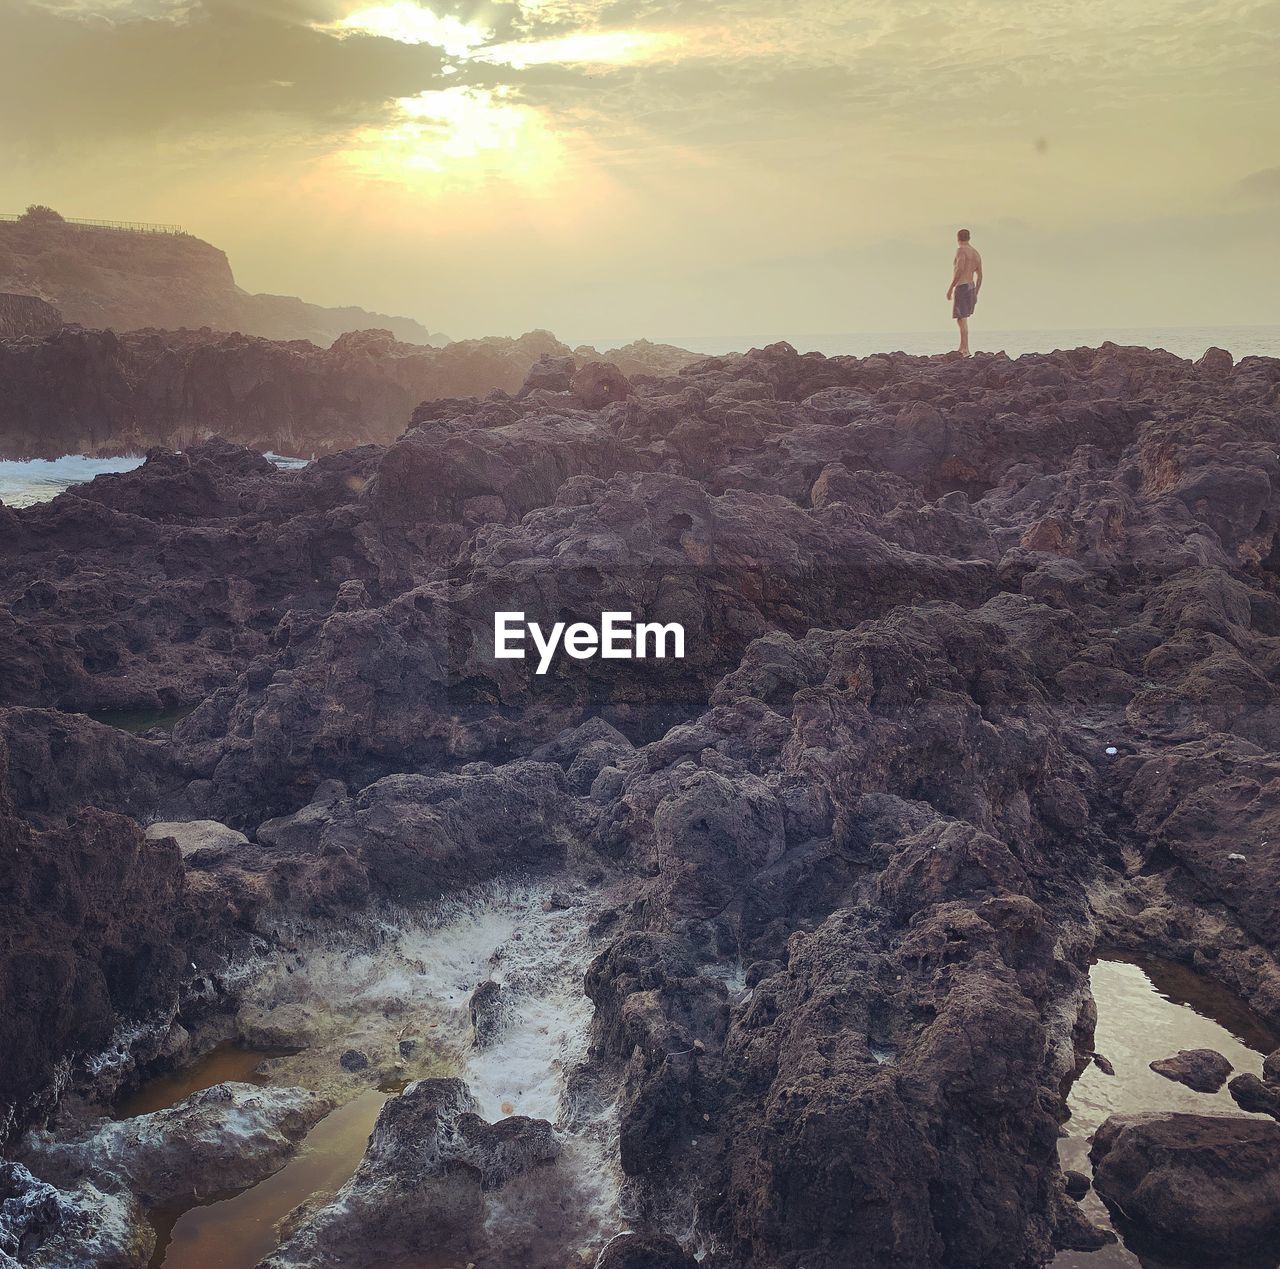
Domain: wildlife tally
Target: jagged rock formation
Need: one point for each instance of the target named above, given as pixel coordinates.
(96, 392)
(421, 1190)
(184, 1151)
(979, 676)
(27, 315)
(1204, 1185)
(119, 280)
(90, 913)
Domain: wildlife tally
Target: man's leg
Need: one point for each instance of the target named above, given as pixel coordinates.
(964, 335)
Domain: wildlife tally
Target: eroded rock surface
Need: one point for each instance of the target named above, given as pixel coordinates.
(979, 677)
(76, 391)
(218, 1139)
(420, 1190)
(1200, 1183)
(47, 1228)
(1202, 1069)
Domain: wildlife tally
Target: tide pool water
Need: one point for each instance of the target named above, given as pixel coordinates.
(415, 976)
(25, 482)
(1150, 1009)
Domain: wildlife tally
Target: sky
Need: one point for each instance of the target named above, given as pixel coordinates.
(610, 169)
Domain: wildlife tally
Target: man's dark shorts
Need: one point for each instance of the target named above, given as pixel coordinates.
(965, 300)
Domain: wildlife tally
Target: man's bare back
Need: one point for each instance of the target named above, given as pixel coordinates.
(966, 282)
(968, 264)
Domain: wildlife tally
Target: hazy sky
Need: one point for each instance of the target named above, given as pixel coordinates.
(623, 167)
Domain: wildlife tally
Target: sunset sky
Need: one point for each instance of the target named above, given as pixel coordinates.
(698, 167)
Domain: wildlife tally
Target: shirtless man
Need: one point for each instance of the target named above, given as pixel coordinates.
(966, 282)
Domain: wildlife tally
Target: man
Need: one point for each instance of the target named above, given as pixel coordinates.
(966, 282)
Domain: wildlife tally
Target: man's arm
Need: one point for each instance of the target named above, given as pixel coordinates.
(977, 281)
(956, 274)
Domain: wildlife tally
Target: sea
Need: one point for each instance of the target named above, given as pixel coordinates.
(23, 483)
(1184, 341)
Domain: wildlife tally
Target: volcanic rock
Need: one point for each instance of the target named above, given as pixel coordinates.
(1202, 1069)
(1205, 1184)
(193, 835)
(43, 1225)
(645, 1251)
(979, 676)
(598, 383)
(217, 1139)
(91, 914)
(1271, 1067)
(74, 391)
(488, 1008)
(421, 1187)
(1251, 1094)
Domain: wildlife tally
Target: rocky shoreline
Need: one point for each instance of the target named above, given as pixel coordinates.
(981, 680)
(103, 393)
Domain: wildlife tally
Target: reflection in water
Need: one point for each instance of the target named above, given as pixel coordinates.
(138, 721)
(1150, 1009)
(239, 1229)
(221, 1065)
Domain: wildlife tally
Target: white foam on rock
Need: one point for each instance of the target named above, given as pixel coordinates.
(419, 971)
(25, 482)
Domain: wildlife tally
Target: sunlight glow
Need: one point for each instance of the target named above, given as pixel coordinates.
(462, 132)
(583, 48)
(409, 23)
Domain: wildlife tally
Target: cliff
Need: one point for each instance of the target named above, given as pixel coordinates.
(101, 393)
(27, 315)
(120, 280)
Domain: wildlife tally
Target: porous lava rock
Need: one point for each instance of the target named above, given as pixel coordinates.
(1208, 1184)
(979, 678)
(1204, 1070)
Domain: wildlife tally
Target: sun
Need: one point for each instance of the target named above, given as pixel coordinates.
(460, 135)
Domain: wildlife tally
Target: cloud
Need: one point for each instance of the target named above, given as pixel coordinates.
(740, 131)
(409, 23)
(1263, 184)
(223, 67)
(119, 10)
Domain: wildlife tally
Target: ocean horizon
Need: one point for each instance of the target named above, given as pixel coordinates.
(1183, 341)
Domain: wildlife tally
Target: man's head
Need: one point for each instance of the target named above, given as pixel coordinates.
(962, 235)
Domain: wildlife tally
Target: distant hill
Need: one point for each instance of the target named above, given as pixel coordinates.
(128, 279)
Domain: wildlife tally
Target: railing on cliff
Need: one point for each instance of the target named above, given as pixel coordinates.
(124, 226)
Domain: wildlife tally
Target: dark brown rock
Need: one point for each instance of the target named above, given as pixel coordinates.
(1202, 1069)
(981, 663)
(1251, 1094)
(645, 1251)
(599, 383)
(1192, 1183)
(91, 917)
(74, 391)
(488, 1007)
(1271, 1067)
(421, 1189)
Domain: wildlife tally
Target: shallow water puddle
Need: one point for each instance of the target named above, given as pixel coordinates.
(1150, 1009)
(414, 977)
(221, 1065)
(240, 1229)
(138, 721)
